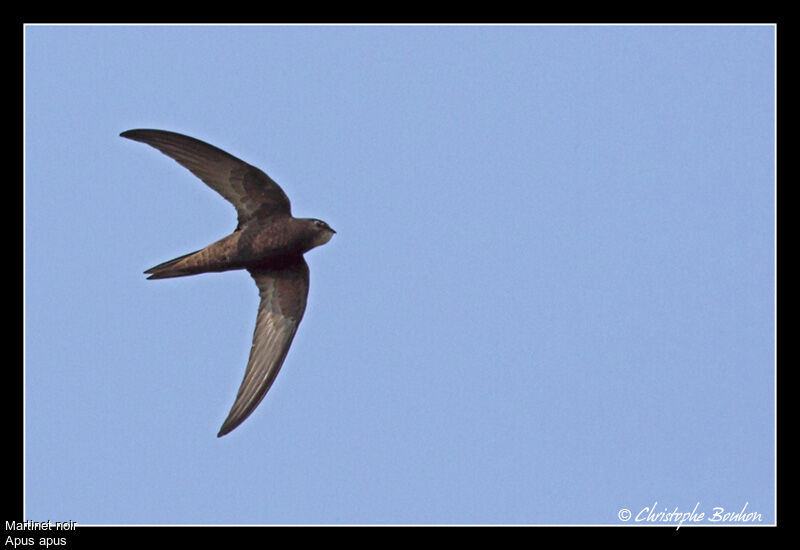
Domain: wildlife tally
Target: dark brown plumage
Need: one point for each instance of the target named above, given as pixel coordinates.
(268, 242)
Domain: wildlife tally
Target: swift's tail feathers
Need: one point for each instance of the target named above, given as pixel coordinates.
(178, 267)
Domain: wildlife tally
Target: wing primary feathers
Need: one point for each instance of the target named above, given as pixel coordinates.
(252, 192)
(283, 291)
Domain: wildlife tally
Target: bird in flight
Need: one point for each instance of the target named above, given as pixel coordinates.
(268, 242)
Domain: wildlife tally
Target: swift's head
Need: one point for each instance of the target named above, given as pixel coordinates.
(319, 232)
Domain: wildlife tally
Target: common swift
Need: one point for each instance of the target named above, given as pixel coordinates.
(268, 242)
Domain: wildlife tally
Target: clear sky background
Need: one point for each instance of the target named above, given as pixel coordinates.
(550, 296)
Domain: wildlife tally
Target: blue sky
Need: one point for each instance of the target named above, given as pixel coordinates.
(550, 297)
